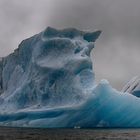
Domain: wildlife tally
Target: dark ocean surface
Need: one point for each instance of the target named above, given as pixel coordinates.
(68, 134)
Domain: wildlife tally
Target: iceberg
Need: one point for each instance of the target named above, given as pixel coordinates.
(49, 82)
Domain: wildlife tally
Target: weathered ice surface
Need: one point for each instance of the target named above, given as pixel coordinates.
(49, 82)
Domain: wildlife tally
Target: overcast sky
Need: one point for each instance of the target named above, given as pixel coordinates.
(117, 53)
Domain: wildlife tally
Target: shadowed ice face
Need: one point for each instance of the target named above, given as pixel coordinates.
(64, 59)
(68, 50)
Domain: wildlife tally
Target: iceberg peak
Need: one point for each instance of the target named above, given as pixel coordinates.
(71, 33)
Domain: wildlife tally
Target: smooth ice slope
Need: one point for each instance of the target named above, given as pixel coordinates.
(49, 82)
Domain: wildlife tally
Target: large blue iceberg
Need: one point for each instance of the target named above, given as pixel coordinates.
(49, 82)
